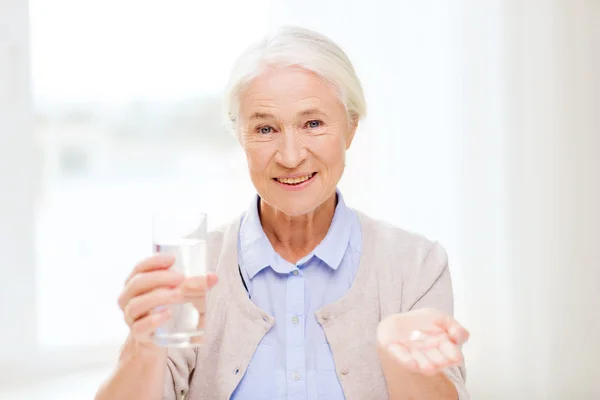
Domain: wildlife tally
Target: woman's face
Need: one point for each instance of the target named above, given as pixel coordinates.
(295, 133)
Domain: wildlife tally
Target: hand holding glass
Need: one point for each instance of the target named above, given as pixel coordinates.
(183, 235)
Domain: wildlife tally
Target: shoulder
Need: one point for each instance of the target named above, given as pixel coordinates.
(230, 227)
(397, 239)
(392, 245)
(407, 260)
(222, 239)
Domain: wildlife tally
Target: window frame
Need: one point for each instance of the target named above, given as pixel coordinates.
(20, 180)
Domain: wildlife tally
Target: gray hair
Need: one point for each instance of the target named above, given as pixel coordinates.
(294, 46)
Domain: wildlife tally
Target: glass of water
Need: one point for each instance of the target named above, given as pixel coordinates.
(182, 234)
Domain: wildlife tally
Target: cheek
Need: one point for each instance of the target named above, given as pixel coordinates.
(332, 153)
(258, 157)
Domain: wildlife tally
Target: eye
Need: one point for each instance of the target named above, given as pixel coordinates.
(315, 123)
(265, 130)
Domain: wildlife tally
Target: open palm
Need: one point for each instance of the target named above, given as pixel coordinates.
(424, 341)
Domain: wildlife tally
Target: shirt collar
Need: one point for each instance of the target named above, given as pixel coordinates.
(333, 247)
(257, 253)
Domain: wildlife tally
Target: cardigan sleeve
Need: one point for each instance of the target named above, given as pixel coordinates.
(180, 367)
(430, 286)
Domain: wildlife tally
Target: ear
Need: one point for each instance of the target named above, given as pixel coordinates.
(353, 124)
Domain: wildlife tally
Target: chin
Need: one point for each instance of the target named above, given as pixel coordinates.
(294, 207)
(297, 210)
(298, 203)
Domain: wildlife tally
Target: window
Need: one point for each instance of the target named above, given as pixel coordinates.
(128, 120)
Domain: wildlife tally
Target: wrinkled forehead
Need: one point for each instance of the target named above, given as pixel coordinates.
(289, 92)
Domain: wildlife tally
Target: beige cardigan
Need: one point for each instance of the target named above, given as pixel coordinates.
(398, 271)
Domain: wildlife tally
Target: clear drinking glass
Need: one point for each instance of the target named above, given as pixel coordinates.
(182, 234)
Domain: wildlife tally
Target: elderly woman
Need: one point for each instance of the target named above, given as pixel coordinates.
(314, 300)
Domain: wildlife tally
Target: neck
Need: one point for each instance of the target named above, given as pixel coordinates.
(294, 237)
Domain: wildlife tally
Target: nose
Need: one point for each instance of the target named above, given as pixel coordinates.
(291, 152)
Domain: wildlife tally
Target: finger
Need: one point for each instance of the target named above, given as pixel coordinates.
(145, 282)
(451, 351)
(195, 290)
(154, 262)
(434, 341)
(141, 305)
(402, 355)
(436, 357)
(457, 333)
(145, 327)
(201, 307)
(197, 286)
(425, 365)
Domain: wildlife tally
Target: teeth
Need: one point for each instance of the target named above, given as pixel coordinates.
(295, 181)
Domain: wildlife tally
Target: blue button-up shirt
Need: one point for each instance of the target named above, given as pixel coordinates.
(294, 361)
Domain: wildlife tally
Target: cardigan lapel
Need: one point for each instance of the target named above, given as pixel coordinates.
(234, 326)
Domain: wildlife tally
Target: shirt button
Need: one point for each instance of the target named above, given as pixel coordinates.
(345, 371)
(295, 272)
(295, 319)
(326, 315)
(295, 376)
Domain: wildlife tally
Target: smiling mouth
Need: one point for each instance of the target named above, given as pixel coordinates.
(295, 181)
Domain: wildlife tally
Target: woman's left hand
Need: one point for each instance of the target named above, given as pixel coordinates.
(424, 341)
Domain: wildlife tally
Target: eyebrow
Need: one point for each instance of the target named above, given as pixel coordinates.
(307, 112)
(259, 115)
(312, 111)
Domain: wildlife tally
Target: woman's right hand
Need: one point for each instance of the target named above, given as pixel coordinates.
(150, 285)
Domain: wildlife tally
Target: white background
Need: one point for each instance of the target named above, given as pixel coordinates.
(483, 132)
